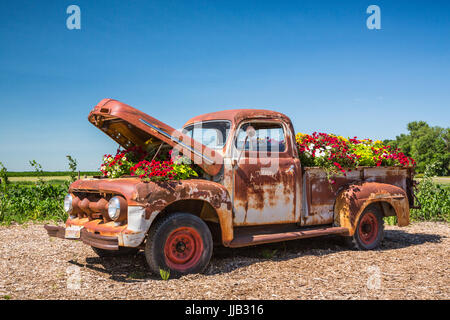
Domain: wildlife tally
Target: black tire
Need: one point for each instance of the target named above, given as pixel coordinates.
(180, 243)
(369, 231)
(123, 251)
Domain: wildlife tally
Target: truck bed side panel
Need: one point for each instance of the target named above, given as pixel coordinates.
(320, 194)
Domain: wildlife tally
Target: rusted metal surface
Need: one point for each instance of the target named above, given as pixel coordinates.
(99, 241)
(352, 201)
(265, 197)
(90, 238)
(242, 188)
(90, 196)
(320, 195)
(254, 236)
(129, 126)
(236, 116)
(265, 187)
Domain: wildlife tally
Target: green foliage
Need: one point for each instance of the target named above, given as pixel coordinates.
(40, 201)
(38, 170)
(391, 220)
(3, 176)
(183, 170)
(268, 254)
(165, 274)
(73, 168)
(433, 198)
(426, 145)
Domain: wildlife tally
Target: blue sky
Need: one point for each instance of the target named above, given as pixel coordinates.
(315, 61)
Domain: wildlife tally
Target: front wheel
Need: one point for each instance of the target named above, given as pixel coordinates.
(370, 230)
(180, 243)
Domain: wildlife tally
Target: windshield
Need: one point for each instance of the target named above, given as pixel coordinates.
(212, 134)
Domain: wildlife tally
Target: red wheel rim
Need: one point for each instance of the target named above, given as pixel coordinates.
(368, 228)
(183, 248)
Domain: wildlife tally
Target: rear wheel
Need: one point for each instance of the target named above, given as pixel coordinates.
(370, 230)
(123, 251)
(180, 243)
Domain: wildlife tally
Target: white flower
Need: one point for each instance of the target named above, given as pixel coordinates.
(108, 174)
(320, 153)
(124, 158)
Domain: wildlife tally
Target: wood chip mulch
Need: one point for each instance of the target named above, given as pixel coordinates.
(412, 263)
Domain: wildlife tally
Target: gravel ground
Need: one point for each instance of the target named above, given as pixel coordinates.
(412, 263)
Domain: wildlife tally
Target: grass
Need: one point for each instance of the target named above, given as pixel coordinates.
(31, 180)
(54, 180)
(12, 174)
(34, 179)
(438, 180)
(441, 180)
(268, 254)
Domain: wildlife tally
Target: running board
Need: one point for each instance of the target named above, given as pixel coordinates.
(249, 237)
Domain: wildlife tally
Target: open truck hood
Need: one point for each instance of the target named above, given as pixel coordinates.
(131, 127)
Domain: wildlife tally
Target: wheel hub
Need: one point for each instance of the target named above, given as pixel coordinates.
(368, 228)
(183, 248)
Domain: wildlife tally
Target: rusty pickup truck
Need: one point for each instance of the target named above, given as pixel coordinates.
(252, 190)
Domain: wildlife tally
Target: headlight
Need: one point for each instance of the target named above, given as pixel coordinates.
(114, 208)
(68, 203)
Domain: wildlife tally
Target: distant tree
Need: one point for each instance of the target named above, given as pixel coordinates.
(427, 145)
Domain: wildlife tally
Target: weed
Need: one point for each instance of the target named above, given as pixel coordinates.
(268, 254)
(164, 274)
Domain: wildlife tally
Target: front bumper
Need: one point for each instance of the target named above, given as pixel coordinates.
(89, 238)
(107, 235)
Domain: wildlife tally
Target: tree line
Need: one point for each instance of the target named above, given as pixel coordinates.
(427, 145)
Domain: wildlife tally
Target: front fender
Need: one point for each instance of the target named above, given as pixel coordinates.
(160, 195)
(351, 202)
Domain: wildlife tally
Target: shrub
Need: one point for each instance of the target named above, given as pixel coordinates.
(38, 201)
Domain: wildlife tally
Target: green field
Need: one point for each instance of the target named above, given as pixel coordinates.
(53, 178)
(442, 180)
(438, 180)
(13, 174)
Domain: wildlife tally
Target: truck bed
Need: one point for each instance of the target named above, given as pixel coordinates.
(319, 195)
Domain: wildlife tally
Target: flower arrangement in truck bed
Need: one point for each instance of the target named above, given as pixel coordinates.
(337, 154)
(138, 163)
